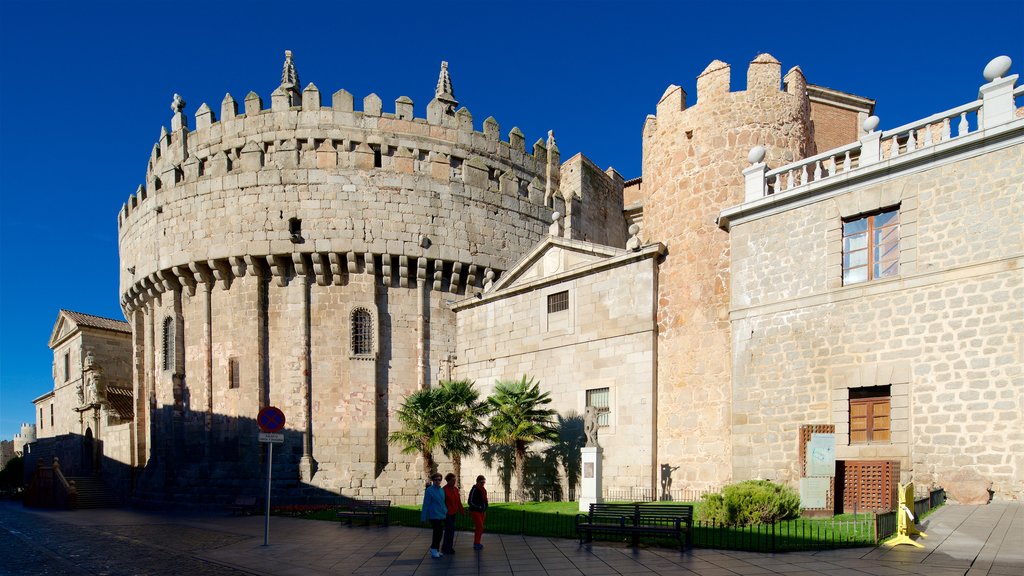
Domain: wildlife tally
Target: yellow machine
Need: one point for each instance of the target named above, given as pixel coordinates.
(905, 527)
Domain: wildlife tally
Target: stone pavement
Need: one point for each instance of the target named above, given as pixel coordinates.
(962, 541)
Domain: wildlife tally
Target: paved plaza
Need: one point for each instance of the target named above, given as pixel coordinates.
(962, 540)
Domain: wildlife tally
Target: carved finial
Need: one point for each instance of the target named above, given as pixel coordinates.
(290, 77)
(997, 68)
(555, 229)
(444, 92)
(551, 141)
(634, 243)
(177, 103)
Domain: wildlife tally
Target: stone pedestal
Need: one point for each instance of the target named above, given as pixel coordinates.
(590, 484)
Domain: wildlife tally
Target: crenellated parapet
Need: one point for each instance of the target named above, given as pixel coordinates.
(773, 112)
(328, 183)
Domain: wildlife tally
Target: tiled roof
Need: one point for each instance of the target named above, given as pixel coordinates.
(120, 401)
(98, 322)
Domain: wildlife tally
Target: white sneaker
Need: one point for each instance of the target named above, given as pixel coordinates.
(435, 554)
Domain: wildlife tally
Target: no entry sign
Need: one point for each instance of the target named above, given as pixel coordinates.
(270, 419)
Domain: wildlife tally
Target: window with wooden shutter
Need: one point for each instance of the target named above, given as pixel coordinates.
(869, 415)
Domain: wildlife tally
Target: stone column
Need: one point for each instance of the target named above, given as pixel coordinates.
(307, 465)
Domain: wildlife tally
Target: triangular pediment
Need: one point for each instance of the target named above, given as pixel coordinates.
(64, 326)
(551, 257)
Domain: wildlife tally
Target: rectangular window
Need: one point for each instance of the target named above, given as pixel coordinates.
(558, 302)
(40, 418)
(871, 247)
(869, 415)
(598, 398)
(67, 366)
(51, 415)
(234, 379)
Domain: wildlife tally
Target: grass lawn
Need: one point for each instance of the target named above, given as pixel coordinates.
(557, 520)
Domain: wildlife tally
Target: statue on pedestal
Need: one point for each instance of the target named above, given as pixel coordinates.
(590, 426)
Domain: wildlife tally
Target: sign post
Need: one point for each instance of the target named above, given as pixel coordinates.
(271, 422)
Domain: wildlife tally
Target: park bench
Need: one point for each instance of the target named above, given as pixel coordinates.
(366, 510)
(635, 520)
(242, 506)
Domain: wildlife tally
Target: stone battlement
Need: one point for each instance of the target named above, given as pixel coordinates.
(303, 178)
(298, 131)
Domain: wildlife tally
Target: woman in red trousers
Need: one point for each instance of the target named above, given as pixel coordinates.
(478, 510)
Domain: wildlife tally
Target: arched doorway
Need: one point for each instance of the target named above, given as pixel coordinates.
(88, 453)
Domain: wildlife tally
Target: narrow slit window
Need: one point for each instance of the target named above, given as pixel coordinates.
(362, 332)
(168, 343)
(234, 378)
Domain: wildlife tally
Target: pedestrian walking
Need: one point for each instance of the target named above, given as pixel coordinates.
(453, 502)
(435, 511)
(478, 510)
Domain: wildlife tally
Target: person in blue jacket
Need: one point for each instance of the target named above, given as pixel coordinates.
(434, 510)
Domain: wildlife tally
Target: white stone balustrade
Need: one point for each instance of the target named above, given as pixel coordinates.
(995, 107)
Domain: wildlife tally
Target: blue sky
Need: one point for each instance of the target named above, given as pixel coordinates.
(86, 86)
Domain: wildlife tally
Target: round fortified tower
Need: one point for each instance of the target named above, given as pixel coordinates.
(303, 257)
(692, 169)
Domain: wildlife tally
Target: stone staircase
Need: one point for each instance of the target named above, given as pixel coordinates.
(93, 493)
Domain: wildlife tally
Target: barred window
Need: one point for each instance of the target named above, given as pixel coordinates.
(234, 378)
(871, 247)
(598, 398)
(558, 302)
(362, 332)
(168, 342)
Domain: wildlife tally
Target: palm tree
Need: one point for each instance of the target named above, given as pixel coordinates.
(420, 416)
(461, 414)
(517, 419)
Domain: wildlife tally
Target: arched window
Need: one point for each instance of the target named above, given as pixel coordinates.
(362, 332)
(168, 340)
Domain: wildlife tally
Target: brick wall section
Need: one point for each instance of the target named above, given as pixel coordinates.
(945, 335)
(692, 166)
(833, 126)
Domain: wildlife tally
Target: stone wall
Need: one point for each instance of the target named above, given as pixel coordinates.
(258, 234)
(944, 334)
(692, 165)
(606, 339)
(586, 185)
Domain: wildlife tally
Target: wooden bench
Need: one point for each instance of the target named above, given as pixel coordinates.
(367, 510)
(243, 506)
(636, 520)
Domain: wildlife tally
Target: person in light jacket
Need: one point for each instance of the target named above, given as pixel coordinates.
(435, 511)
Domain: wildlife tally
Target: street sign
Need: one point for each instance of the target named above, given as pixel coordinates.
(271, 422)
(270, 419)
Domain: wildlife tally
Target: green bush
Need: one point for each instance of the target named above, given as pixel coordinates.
(751, 502)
